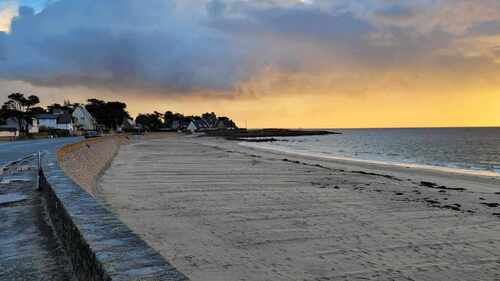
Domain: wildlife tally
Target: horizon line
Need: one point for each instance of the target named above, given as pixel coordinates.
(353, 128)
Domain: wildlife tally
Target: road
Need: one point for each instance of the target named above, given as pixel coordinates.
(11, 151)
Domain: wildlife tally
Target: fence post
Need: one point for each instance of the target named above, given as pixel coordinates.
(39, 170)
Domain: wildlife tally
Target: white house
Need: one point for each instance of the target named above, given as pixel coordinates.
(192, 127)
(55, 121)
(47, 120)
(197, 125)
(83, 119)
(204, 124)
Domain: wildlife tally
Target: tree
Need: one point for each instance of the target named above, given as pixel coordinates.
(97, 109)
(67, 107)
(150, 121)
(116, 113)
(109, 114)
(19, 108)
(168, 119)
(18, 101)
(210, 118)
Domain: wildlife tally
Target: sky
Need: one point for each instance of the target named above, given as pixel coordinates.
(265, 63)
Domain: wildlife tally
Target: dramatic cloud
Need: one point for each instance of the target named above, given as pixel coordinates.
(118, 44)
(186, 46)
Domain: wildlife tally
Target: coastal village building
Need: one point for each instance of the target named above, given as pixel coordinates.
(62, 121)
(127, 125)
(180, 124)
(83, 119)
(197, 125)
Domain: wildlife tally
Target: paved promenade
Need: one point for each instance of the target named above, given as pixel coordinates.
(28, 248)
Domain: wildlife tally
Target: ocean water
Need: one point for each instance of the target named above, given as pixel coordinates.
(474, 150)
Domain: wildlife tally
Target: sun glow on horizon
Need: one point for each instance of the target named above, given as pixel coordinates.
(342, 111)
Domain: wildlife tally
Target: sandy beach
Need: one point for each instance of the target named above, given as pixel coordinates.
(221, 211)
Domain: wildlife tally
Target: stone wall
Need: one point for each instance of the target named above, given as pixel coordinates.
(99, 246)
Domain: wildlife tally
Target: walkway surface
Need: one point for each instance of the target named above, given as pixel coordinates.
(11, 151)
(226, 213)
(28, 248)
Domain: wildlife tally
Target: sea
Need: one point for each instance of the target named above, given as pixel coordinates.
(468, 150)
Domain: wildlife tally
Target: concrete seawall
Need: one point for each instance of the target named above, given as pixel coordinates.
(85, 161)
(98, 245)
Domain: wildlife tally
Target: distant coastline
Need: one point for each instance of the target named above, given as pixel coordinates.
(453, 150)
(266, 134)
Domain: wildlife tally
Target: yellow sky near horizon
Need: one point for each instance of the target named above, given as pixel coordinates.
(474, 106)
(342, 112)
(8, 10)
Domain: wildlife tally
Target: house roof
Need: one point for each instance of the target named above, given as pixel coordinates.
(4, 128)
(46, 116)
(200, 124)
(64, 119)
(81, 109)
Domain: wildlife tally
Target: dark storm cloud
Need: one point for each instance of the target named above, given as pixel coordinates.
(151, 44)
(117, 44)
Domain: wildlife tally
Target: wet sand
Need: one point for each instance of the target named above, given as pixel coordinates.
(220, 211)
